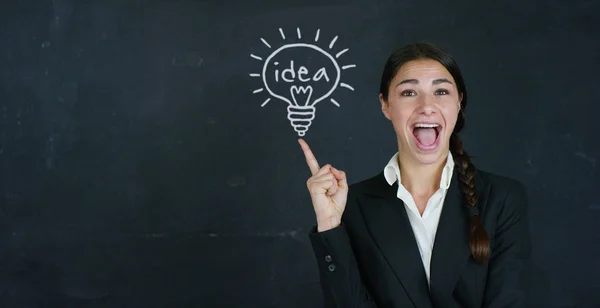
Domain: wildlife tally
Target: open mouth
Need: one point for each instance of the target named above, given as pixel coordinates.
(427, 135)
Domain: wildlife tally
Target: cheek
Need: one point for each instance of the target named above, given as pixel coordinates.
(451, 115)
(400, 116)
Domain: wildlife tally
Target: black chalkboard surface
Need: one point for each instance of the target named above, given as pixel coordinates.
(148, 153)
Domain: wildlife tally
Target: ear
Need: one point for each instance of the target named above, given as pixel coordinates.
(384, 107)
(460, 98)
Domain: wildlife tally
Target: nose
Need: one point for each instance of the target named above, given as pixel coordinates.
(426, 105)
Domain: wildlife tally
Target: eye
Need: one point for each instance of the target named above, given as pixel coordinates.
(442, 92)
(408, 93)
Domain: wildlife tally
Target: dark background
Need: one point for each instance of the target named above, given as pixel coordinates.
(138, 169)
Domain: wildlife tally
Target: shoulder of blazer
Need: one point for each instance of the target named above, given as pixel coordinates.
(501, 186)
(373, 188)
(498, 181)
(376, 186)
(505, 201)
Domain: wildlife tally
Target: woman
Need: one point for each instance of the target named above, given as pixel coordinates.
(374, 240)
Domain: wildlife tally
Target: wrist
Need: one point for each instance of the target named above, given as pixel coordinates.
(328, 225)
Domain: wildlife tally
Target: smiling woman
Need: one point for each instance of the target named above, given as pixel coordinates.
(430, 230)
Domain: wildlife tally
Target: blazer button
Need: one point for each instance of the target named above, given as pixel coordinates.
(331, 268)
(328, 258)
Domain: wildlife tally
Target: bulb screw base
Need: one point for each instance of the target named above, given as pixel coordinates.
(301, 117)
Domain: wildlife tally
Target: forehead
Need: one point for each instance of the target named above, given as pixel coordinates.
(422, 69)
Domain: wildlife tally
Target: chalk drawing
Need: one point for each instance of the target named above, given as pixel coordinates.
(298, 82)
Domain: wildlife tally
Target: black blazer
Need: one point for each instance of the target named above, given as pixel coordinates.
(372, 258)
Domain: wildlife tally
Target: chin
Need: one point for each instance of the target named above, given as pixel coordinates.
(430, 157)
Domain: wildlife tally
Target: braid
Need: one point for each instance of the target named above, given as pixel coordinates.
(478, 239)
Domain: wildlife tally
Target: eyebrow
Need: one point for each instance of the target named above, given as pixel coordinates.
(441, 80)
(435, 82)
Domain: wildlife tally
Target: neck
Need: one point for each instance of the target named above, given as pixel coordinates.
(421, 179)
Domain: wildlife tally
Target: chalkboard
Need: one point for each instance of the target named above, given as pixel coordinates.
(148, 152)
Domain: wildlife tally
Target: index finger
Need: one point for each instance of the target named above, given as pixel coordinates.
(310, 158)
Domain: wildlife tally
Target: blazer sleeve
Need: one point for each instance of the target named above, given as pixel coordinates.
(507, 283)
(341, 282)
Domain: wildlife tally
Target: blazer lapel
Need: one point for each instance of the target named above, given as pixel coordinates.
(388, 224)
(451, 247)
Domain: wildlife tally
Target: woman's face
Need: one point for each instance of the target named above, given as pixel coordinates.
(423, 104)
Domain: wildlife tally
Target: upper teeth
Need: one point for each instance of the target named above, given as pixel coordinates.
(426, 125)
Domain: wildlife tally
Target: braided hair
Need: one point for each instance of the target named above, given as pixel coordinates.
(478, 239)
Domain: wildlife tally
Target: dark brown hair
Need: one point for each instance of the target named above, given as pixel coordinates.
(478, 240)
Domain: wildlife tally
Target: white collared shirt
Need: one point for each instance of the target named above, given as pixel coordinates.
(424, 227)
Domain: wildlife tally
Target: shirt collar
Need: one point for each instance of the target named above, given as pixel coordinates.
(392, 171)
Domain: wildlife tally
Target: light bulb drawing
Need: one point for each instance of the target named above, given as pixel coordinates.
(301, 74)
